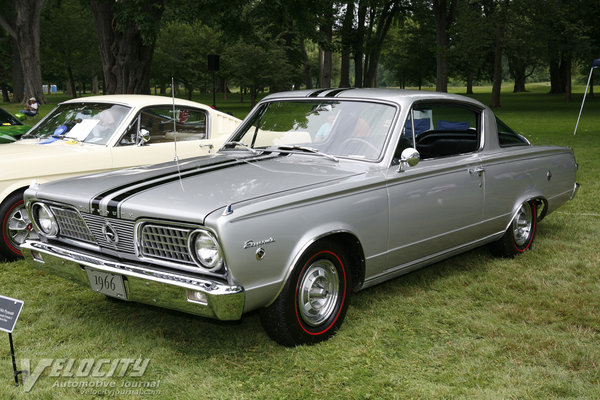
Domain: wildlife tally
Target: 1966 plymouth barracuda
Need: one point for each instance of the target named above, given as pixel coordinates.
(316, 195)
(96, 134)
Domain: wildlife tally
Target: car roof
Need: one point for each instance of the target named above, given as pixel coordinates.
(136, 100)
(400, 96)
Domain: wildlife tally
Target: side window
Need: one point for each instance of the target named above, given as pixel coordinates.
(190, 124)
(441, 130)
(507, 137)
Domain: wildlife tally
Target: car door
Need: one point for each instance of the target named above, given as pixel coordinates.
(166, 138)
(436, 206)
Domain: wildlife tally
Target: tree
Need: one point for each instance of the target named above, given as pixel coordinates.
(181, 53)
(444, 14)
(256, 64)
(26, 33)
(127, 32)
(406, 54)
(499, 13)
(471, 58)
(67, 39)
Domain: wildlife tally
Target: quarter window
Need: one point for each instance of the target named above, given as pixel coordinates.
(507, 137)
(188, 124)
(441, 130)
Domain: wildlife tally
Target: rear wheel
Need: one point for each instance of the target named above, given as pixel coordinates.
(16, 226)
(519, 235)
(314, 300)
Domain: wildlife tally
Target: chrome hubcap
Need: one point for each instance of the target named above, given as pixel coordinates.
(19, 226)
(522, 225)
(318, 292)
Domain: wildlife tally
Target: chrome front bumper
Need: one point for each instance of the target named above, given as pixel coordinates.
(176, 291)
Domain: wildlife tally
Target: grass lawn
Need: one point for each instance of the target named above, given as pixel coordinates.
(473, 327)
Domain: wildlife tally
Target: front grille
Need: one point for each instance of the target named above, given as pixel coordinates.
(165, 243)
(123, 228)
(72, 225)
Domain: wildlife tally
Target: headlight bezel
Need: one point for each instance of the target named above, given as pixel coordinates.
(51, 231)
(211, 245)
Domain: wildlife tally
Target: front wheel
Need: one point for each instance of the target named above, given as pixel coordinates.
(16, 226)
(519, 235)
(314, 300)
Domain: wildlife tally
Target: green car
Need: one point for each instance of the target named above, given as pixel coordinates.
(11, 129)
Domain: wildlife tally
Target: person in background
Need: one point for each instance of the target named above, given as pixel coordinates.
(31, 107)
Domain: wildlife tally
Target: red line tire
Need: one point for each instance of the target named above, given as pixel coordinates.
(16, 226)
(314, 300)
(520, 234)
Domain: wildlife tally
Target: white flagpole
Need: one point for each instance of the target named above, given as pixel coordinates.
(584, 94)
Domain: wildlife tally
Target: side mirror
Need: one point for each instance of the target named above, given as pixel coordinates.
(409, 157)
(143, 137)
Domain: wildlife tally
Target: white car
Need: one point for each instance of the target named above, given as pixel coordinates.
(101, 133)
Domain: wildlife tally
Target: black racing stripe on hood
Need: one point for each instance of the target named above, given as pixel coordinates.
(317, 92)
(95, 202)
(335, 92)
(113, 204)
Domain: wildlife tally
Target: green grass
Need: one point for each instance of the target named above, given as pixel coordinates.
(473, 327)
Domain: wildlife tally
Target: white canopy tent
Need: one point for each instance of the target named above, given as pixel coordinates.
(595, 64)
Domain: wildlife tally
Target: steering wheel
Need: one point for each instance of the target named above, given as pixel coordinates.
(359, 140)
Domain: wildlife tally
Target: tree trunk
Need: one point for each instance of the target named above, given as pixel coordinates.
(26, 33)
(5, 97)
(358, 45)
(126, 58)
(17, 78)
(71, 82)
(346, 34)
(308, 81)
(325, 53)
(470, 82)
(384, 15)
(498, 51)
(95, 85)
(444, 16)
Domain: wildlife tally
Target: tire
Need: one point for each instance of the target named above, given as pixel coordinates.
(16, 226)
(314, 300)
(520, 234)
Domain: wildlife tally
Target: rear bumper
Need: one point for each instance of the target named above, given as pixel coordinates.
(176, 291)
(575, 190)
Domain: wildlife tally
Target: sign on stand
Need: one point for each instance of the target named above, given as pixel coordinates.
(9, 313)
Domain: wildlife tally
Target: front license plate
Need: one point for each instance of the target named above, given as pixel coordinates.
(107, 283)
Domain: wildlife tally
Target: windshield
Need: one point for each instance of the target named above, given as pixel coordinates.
(84, 122)
(8, 119)
(352, 129)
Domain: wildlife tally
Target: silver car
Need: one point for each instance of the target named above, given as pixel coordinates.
(316, 195)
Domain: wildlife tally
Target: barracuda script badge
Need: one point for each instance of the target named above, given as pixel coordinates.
(251, 243)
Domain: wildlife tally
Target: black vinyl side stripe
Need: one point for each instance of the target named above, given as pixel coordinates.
(113, 204)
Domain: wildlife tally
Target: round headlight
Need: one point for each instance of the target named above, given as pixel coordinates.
(44, 219)
(206, 250)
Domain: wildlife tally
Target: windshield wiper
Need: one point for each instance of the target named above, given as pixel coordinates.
(242, 145)
(306, 149)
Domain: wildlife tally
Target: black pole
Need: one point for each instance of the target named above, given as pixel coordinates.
(214, 91)
(14, 362)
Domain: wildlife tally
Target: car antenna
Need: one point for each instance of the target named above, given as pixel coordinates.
(175, 133)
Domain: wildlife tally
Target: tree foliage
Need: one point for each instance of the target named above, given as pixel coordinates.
(283, 44)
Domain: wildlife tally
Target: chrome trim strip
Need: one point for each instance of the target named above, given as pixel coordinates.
(576, 187)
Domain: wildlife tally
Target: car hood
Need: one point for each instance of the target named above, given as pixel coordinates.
(195, 188)
(28, 158)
